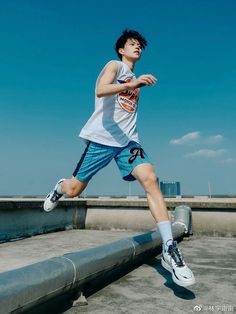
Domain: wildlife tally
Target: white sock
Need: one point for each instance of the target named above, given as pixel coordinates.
(59, 191)
(166, 233)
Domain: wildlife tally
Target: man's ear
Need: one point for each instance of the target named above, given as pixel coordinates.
(121, 51)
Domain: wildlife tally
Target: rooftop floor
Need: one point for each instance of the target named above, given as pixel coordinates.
(148, 288)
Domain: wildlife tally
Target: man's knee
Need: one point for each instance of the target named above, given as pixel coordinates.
(73, 187)
(149, 179)
(72, 192)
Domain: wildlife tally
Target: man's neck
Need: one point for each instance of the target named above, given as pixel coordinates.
(130, 63)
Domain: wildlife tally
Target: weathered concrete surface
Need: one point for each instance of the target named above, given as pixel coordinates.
(148, 288)
(38, 248)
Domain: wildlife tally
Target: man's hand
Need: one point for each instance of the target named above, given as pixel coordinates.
(142, 80)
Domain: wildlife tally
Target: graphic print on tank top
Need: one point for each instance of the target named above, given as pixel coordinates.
(128, 99)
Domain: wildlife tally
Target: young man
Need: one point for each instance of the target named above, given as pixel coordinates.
(111, 133)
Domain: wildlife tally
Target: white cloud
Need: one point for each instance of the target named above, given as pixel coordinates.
(229, 161)
(214, 139)
(187, 138)
(193, 136)
(207, 153)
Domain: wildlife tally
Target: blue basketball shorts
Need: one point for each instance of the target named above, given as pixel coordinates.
(97, 156)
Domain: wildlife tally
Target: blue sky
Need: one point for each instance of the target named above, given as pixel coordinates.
(50, 55)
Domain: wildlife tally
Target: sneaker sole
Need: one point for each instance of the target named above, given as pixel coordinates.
(176, 280)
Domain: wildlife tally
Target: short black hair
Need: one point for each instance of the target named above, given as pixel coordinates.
(129, 34)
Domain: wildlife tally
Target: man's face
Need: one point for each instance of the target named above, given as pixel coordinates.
(132, 49)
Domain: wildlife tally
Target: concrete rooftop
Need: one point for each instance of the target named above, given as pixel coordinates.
(148, 288)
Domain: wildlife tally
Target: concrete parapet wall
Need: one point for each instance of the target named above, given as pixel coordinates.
(211, 216)
(123, 218)
(209, 204)
(21, 218)
(25, 217)
(205, 223)
(214, 223)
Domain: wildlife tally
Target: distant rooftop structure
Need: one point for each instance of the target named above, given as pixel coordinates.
(170, 188)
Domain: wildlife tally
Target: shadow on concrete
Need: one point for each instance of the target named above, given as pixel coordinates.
(57, 305)
(180, 292)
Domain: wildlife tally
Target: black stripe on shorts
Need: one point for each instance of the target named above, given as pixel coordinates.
(81, 161)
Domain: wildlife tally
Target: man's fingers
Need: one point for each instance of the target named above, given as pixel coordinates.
(149, 76)
(148, 79)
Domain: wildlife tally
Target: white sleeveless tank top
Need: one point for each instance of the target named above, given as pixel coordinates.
(113, 122)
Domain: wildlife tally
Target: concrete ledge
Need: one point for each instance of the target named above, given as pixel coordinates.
(198, 204)
(226, 204)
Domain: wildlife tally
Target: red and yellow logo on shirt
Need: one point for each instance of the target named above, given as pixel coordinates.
(128, 99)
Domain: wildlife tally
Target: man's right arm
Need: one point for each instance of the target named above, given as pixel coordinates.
(106, 87)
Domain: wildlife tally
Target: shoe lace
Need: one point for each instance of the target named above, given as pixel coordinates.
(55, 197)
(176, 255)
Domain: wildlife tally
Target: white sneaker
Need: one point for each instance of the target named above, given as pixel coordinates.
(52, 198)
(174, 263)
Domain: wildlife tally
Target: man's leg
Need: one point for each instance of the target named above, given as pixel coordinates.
(171, 258)
(72, 187)
(145, 174)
